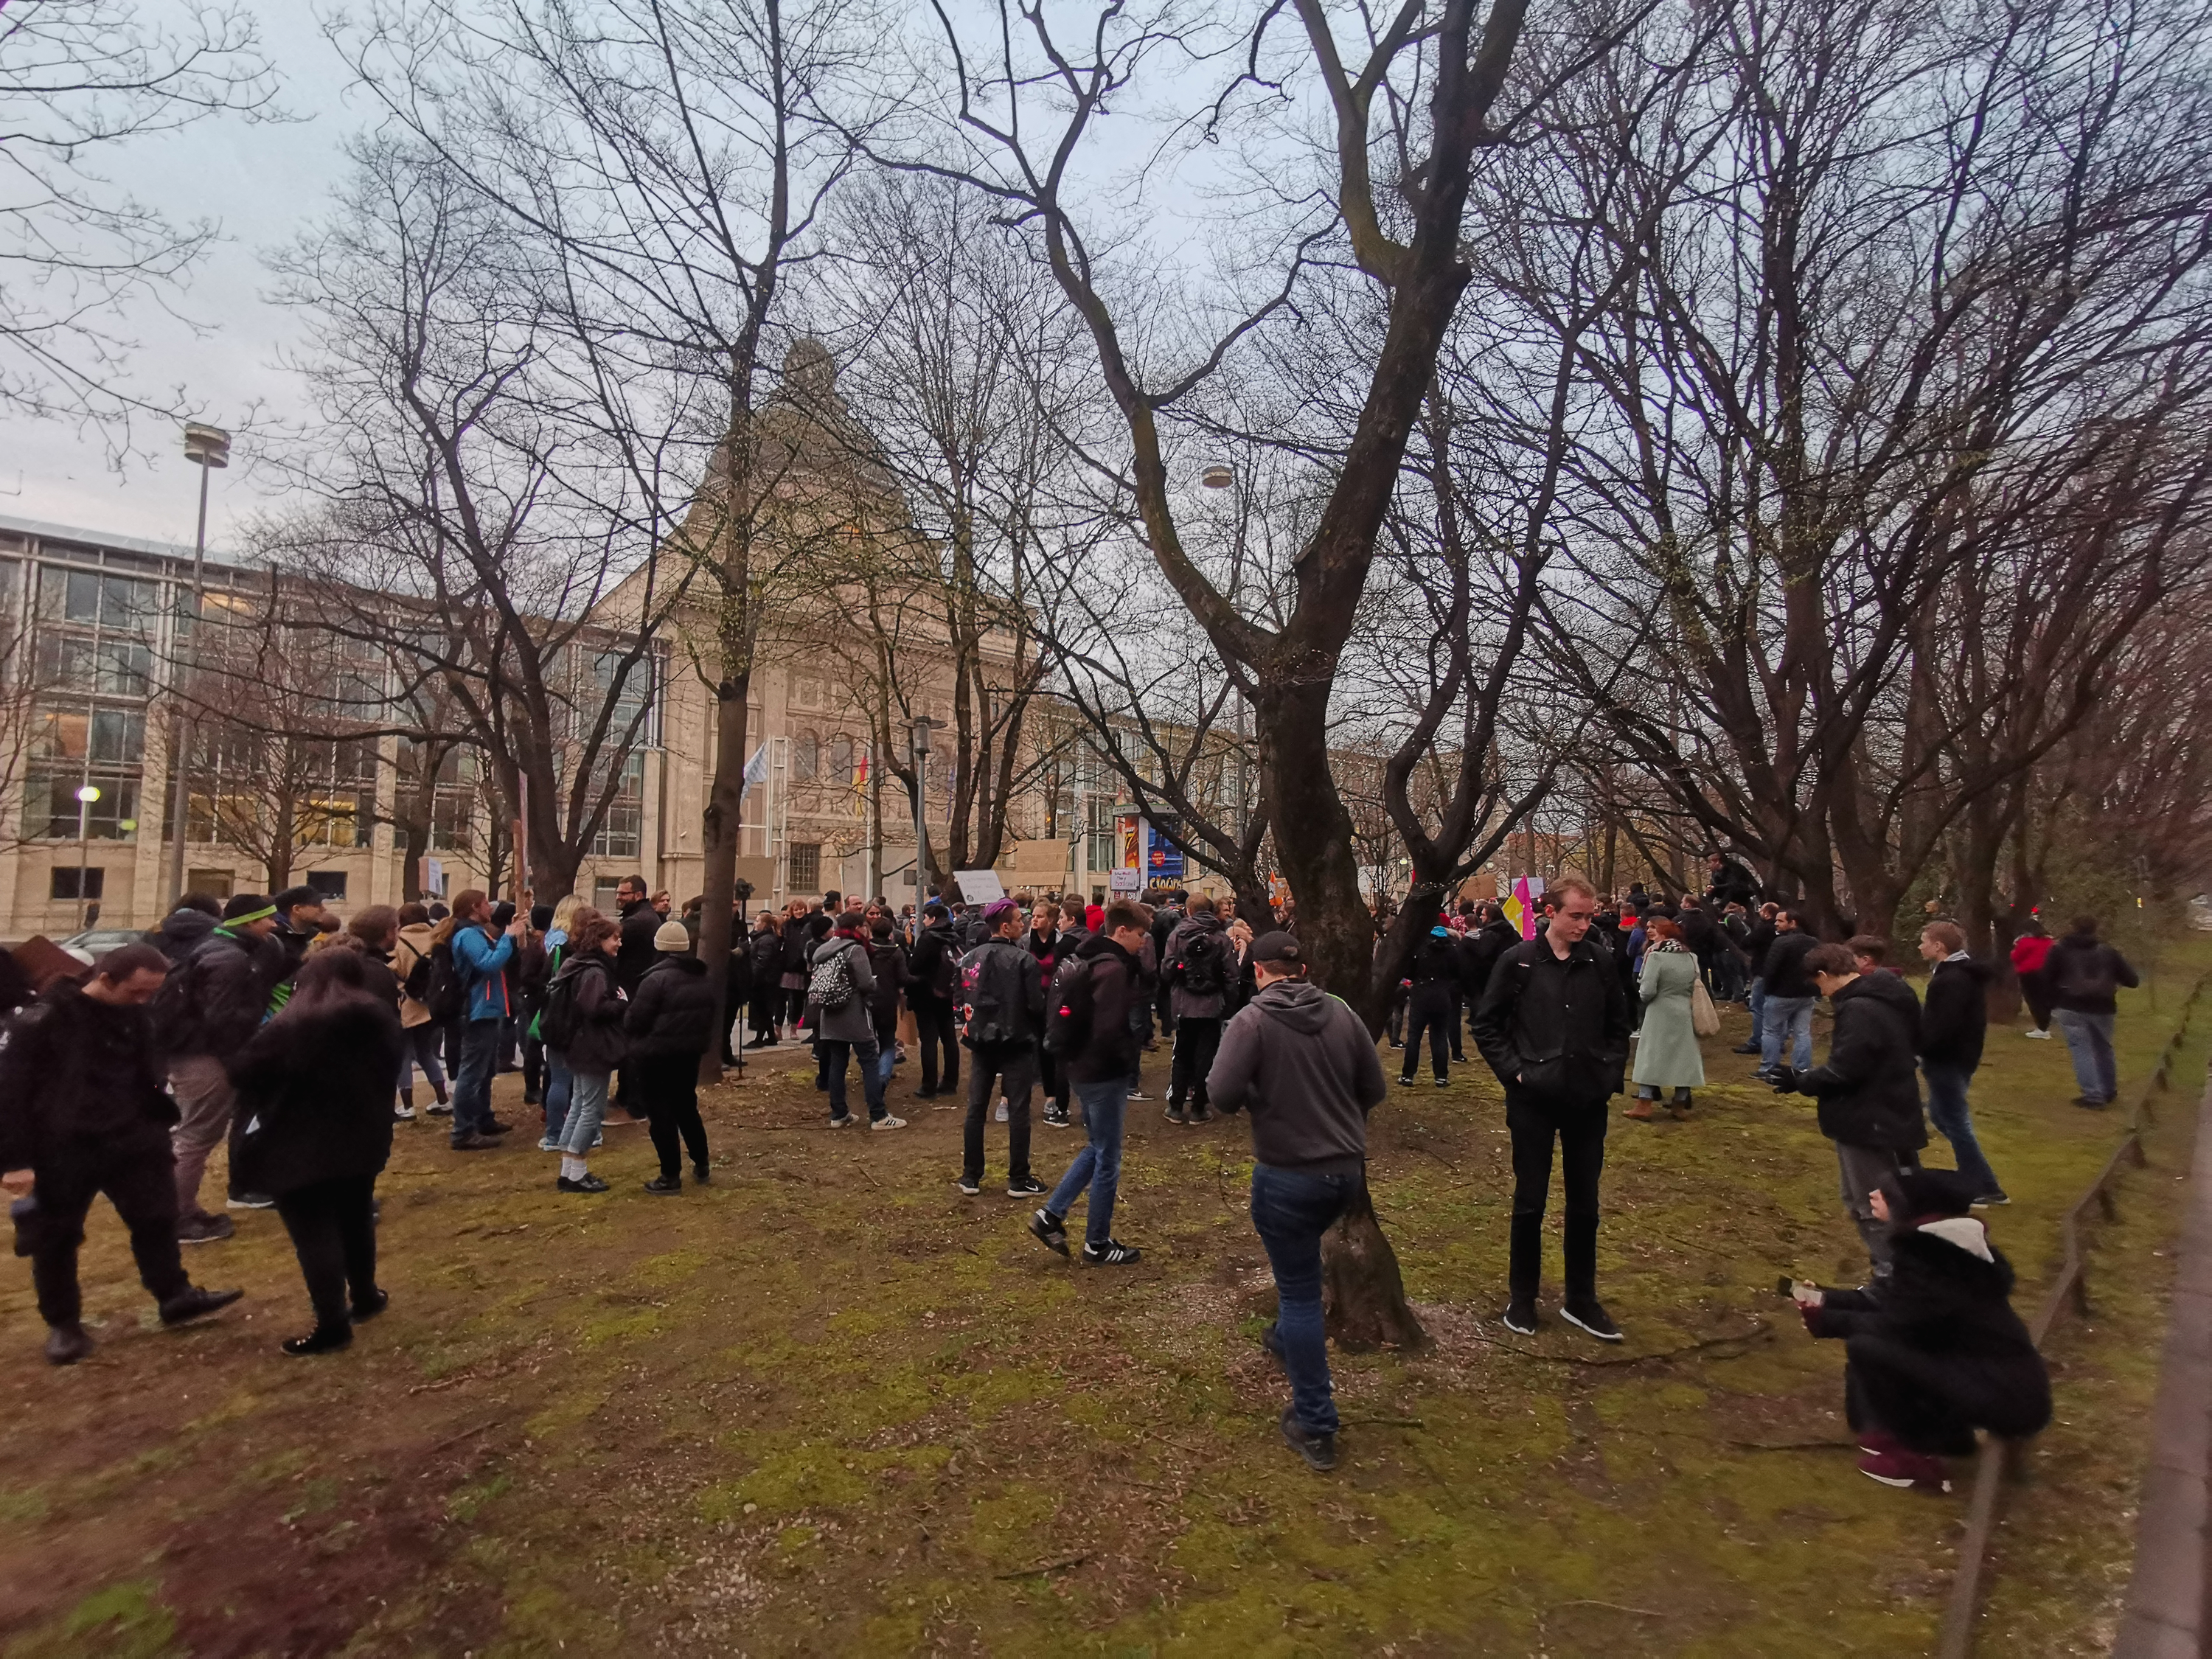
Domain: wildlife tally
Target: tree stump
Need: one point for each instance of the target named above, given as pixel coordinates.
(1362, 1294)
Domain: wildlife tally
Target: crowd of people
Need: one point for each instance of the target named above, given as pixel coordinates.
(302, 1041)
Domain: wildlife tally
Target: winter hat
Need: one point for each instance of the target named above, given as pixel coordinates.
(670, 937)
(248, 907)
(1924, 1192)
(541, 916)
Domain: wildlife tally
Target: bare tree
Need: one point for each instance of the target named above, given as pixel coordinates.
(79, 81)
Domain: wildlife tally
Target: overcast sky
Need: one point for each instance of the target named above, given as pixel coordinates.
(261, 182)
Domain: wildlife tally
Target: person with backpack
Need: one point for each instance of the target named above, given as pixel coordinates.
(1195, 969)
(553, 1103)
(205, 1014)
(933, 992)
(83, 1109)
(469, 974)
(2085, 976)
(1046, 942)
(669, 1025)
(887, 963)
(1868, 1089)
(1090, 1026)
(1306, 1065)
(196, 916)
(316, 1132)
(765, 946)
(1553, 1026)
(1432, 974)
(2031, 952)
(1167, 916)
(1952, 1024)
(840, 991)
(410, 965)
(1001, 1009)
(641, 919)
(583, 1023)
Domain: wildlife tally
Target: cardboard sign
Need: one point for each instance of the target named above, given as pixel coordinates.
(979, 886)
(1125, 881)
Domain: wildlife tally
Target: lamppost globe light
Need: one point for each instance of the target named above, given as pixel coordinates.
(1218, 475)
(210, 446)
(88, 793)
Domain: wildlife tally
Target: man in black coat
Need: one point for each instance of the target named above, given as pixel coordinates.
(1786, 1005)
(1869, 1089)
(1553, 1026)
(669, 1022)
(634, 958)
(1951, 1027)
(1491, 938)
(206, 1013)
(83, 1108)
(932, 988)
(1940, 1352)
(2084, 975)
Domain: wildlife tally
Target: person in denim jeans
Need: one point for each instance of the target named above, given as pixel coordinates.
(1952, 1023)
(1306, 1067)
(1098, 1038)
(592, 1047)
(480, 957)
(1785, 1015)
(849, 1032)
(2083, 975)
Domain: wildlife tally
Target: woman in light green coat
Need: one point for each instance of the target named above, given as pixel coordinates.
(1667, 1052)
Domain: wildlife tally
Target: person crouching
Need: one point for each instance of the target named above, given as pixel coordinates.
(1938, 1352)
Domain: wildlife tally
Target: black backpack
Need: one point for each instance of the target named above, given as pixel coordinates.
(1198, 967)
(1068, 1006)
(560, 1020)
(944, 971)
(443, 993)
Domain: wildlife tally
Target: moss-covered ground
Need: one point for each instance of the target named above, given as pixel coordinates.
(828, 1404)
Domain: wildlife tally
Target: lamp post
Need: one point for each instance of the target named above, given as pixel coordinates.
(923, 725)
(86, 794)
(206, 446)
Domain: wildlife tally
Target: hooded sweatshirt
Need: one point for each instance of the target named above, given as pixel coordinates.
(1957, 1014)
(1306, 1065)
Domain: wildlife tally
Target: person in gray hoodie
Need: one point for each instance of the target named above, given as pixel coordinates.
(1306, 1065)
(848, 1030)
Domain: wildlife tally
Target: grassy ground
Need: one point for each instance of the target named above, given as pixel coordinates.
(830, 1405)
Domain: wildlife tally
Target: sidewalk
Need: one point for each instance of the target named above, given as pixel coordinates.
(2166, 1602)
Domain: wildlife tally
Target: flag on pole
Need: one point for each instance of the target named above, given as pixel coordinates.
(860, 783)
(1521, 908)
(755, 770)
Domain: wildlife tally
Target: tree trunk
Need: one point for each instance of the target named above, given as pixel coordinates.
(1313, 832)
(721, 831)
(1363, 1294)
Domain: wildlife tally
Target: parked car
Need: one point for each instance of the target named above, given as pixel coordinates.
(94, 942)
(2200, 913)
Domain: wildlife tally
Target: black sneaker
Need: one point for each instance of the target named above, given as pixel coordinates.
(1112, 1253)
(1745, 1049)
(1405, 1083)
(1054, 1118)
(971, 1185)
(324, 1339)
(67, 1344)
(1520, 1316)
(1202, 1115)
(251, 1201)
(205, 1228)
(1444, 1082)
(586, 1183)
(193, 1303)
(1587, 1313)
(1995, 1196)
(701, 1175)
(1272, 1341)
(1319, 1450)
(1027, 1186)
(1174, 1113)
(377, 1302)
(664, 1184)
(1050, 1230)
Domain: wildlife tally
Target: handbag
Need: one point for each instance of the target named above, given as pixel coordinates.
(1704, 1018)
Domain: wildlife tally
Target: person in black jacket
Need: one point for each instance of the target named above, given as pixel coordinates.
(932, 988)
(1003, 1013)
(314, 1094)
(633, 959)
(2082, 976)
(1951, 1027)
(1489, 936)
(1099, 1039)
(1727, 882)
(1553, 1025)
(204, 1015)
(1759, 936)
(669, 1024)
(887, 964)
(1869, 1089)
(593, 1044)
(1940, 1352)
(83, 1108)
(1786, 1002)
(765, 946)
(1432, 976)
(1048, 944)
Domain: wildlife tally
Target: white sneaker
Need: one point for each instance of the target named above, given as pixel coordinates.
(2040, 1036)
(545, 1146)
(1000, 1115)
(889, 1123)
(402, 1114)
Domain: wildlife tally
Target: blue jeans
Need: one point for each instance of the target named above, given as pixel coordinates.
(834, 1054)
(480, 1040)
(559, 1080)
(1782, 1018)
(1141, 1027)
(421, 1050)
(1291, 1212)
(1758, 999)
(588, 1110)
(1098, 1165)
(2089, 1040)
(1947, 1110)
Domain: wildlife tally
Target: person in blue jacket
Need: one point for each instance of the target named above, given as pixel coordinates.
(481, 954)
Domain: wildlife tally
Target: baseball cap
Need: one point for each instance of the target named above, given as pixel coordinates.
(1278, 950)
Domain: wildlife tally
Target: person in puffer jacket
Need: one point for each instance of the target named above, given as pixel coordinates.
(669, 1024)
(1869, 1089)
(1939, 1353)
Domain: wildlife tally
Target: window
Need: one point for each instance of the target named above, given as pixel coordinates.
(841, 759)
(804, 872)
(606, 896)
(216, 884)
(330, 884)
(806, 758)
(621, 831)
(1102, 850)
(65, 886)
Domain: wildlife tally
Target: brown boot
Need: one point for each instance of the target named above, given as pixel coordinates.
(1641, 1111)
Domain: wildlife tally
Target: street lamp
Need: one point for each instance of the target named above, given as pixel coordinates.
(206, 446)
(923, 725)
(1218, 475)
(86, 794)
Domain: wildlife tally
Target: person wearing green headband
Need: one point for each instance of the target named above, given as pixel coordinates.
(209, 1010)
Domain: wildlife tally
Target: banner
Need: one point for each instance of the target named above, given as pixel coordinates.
(1520, 909)
(1163, 859)
(979, 886)
(1129, 837)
